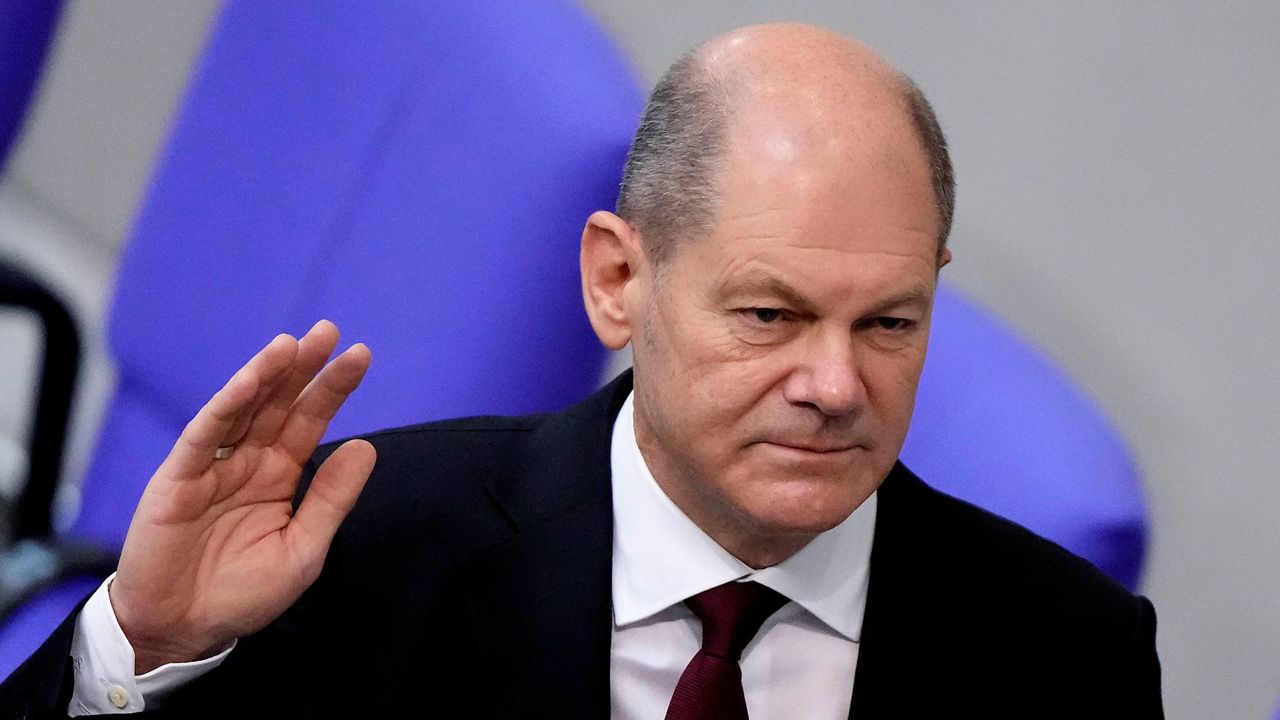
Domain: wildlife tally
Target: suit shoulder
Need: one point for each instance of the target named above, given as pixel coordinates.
(430, 481)
(454, 444)
(984, 608)
(1000, 564)
(475, 429)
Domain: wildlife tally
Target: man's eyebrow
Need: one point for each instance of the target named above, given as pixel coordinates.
(771, 285)
(920, 294)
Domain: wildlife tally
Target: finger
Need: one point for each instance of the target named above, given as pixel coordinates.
(193, 452)
(314, 349)
(319, 402)
(245, 419)
(332, 494)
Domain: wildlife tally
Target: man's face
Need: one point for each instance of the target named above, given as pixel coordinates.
(778, 358)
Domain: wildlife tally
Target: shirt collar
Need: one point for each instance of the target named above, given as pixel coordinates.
(660, 557)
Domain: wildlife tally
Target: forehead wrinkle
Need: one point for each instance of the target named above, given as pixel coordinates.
(788, 228)
(838, 246)
(794, 236)
(754, 274)
(747, 217)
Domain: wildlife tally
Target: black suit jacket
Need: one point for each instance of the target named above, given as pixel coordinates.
(473, 580)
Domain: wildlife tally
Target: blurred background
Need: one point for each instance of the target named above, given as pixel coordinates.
(1119, 205)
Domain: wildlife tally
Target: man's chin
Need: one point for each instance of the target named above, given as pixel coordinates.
(807, 507)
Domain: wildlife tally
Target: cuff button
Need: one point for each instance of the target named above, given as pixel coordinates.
(118, 697)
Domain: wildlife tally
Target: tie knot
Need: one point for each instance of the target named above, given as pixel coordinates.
(732, 614)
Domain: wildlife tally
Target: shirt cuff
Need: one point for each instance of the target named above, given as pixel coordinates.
(103, 662)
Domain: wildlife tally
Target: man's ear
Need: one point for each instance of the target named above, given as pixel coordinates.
(610, 260)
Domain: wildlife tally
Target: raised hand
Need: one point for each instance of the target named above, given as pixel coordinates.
(215, 550)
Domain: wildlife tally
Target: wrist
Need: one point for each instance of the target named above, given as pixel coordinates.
(152, 649)
(152, 653)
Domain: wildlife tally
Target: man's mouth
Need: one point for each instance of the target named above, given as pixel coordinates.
(813, 447)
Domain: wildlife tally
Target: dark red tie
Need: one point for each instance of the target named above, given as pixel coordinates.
(711, 686)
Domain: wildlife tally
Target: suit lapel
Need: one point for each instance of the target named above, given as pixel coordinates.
(540, 603)
(898, 638)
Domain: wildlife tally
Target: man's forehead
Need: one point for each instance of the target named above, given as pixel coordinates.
(845, 274)
(798, 123)
(801, 291)
(828, 140)
(782, 186)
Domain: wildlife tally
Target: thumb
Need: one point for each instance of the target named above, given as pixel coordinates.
(332, 494)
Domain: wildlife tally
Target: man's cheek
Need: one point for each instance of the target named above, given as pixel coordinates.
(707, 339)
(894, 377)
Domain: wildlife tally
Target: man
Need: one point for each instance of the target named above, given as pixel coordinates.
(694, 541)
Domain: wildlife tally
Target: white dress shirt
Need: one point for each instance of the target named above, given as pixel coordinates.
(103, 662)
(800, 664)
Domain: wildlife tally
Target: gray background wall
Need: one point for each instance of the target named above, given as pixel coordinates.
(1119, 171)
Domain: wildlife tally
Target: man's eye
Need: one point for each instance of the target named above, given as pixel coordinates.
(892, 323)
(766, 315)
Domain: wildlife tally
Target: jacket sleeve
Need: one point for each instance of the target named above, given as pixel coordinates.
(41, 686)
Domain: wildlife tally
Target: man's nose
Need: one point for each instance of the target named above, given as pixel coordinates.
(827, 378)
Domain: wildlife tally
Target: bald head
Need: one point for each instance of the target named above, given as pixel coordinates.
(794, 60)
(768, 89)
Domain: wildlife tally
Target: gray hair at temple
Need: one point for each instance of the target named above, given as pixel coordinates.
(669, 188)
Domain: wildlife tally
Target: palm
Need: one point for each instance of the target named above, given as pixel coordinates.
(215, 550)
